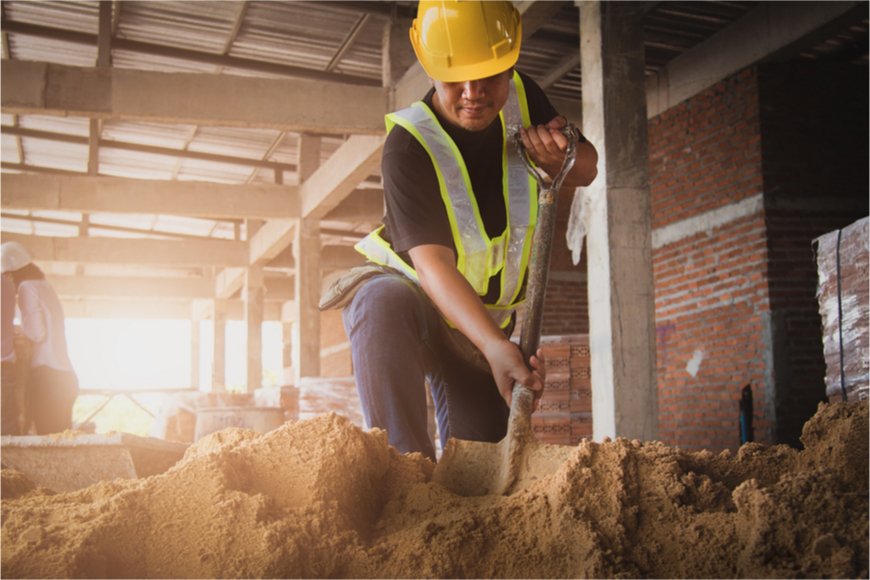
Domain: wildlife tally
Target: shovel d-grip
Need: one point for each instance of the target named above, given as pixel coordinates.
(522, 398)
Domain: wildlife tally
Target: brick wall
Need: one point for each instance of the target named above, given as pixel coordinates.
(710, 274)
(711, 312)
(564, 415)
(743, 176)
(705, 153)
(566, 305)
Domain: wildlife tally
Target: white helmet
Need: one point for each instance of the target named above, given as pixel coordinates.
(13, 256)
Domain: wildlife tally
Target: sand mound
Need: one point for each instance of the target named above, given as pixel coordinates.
(322, 498)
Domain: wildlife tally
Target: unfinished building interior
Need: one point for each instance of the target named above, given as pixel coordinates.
(217, 161)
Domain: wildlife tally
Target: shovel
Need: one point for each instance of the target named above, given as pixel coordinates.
(473, 468)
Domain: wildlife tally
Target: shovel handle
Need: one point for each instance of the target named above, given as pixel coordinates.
(542, 242)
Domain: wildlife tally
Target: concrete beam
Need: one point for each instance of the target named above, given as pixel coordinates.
(118, 195)
(112, 287)
(190, 98)
(85, 250)
(277, 289)
(769, 28)
(123, 270)
(147, 309)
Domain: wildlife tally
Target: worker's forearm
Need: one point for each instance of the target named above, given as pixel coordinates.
(460, 304)
(456, 299)
(585, 166)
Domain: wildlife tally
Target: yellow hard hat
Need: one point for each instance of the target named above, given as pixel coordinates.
(463, 40)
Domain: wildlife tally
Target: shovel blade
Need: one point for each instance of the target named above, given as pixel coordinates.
(472, 468)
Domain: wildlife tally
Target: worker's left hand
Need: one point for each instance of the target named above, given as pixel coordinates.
(508, 369)
(539, 365)
(546, 145)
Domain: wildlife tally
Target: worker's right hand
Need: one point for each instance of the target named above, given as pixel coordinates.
(508, 368)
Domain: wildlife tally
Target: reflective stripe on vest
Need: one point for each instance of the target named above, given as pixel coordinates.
(479, 257)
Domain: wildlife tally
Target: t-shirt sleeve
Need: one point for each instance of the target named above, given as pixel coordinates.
(415, 213)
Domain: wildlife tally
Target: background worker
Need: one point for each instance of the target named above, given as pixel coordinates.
(8, 404)
(457, 231)
(52, 385)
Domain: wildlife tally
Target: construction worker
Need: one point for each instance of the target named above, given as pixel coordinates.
(52, 385)
(460, 211)
(9, 423)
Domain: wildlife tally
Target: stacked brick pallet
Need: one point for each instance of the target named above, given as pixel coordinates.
(842, 258)
(564, 416)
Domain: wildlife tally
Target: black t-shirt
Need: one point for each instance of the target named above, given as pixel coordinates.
(415, 212)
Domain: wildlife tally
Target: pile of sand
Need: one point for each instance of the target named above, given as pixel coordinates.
(323, 498)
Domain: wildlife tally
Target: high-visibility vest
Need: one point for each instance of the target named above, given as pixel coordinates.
(479, 257)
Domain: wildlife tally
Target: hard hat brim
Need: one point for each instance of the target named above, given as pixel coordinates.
(458, 74)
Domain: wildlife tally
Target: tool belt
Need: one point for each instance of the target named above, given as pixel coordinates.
(341, 290)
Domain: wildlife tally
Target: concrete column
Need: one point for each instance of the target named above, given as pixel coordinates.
(398, 56)
(306, 254)
(306, 339)
(219, 347)
(194, 352)
(620, 282)
(288, 377)
(254, 294)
